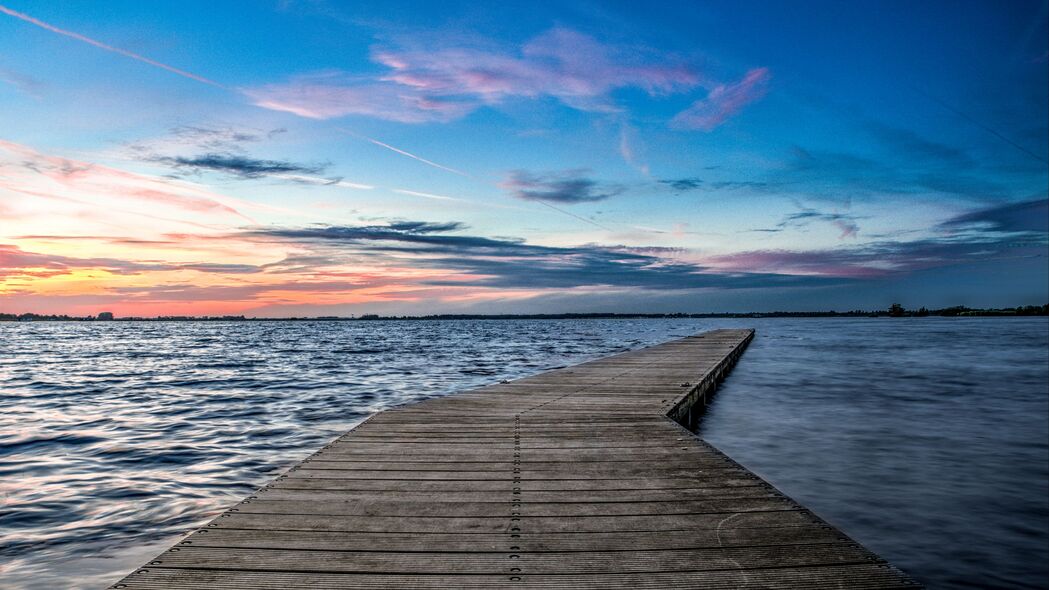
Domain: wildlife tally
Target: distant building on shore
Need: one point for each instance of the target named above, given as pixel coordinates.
(105, 316)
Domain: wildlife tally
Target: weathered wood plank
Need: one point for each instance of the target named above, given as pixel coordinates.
(347, 507)
(558, 485)
(497, 562)
(459, 542)
(855, 577)
(534, 497)
(495, 524)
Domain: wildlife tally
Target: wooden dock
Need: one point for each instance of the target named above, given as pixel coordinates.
(573, 478)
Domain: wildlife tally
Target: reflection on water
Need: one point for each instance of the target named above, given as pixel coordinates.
(118, 435)
(925, 439)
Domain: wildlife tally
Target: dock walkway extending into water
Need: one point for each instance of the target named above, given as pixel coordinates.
(581, 477)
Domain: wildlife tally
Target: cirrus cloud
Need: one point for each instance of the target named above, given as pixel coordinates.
(502, 263)
(723, 102)
(444, 83)
(38, 176)
(16, 262)
(332, 94)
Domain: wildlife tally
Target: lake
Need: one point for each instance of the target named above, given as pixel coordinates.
(926, 439)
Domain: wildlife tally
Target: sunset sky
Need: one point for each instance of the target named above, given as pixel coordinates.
(290, 158)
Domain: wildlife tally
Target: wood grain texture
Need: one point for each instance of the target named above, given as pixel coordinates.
(573, 478)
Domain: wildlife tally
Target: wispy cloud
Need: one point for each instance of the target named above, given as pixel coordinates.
(25, 83)
(1030, 216)
(101, 45)
(225, 151)
(328, 95)
(220, 138)
(42, 176)
(440, 262)
(249, 293)
(237, 165)
(447, 82)
(403, 191)
(876, 259)
(14, 261)
(681, 185)
(561, 63)
(321, 181)
(900, 171)
(982, 125)
(629, 149)
(406, 154)
(565, 186)
(511, 264)
(843, 221)
(1014, 230)
(723, 102)
(906, 164)
(911, 146)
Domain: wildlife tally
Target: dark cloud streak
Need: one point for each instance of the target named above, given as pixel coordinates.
(236, 165)
(565, 187)
(1026, 216)
(682, 184)
(507, 263)
(843, 221)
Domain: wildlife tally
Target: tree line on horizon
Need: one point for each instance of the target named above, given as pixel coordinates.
(896, 310)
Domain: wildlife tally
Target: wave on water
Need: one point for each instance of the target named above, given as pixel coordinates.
(923, 438)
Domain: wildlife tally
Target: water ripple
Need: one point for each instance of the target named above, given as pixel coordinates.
(927, 440)
(115, 438)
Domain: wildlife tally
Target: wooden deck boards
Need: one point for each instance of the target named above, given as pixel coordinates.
(573, 478)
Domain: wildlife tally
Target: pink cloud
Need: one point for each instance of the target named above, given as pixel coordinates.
(330, 95)
(844, 263)
(446, 83)
(14, 261)
(849, 229)
(37, 175)
(189, 202)
(17, 262)
(627, 141)
(560, 63)
(870, 260)
(723, 102)
(26, 84)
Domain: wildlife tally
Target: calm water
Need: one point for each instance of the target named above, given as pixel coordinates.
(927, 440)
(924, 439)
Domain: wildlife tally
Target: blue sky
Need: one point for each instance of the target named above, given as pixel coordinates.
(290, 158)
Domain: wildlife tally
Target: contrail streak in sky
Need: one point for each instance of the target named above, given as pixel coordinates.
(78, 37)
(579, 217)
(404, 153)
(979, 124)
(101, 45)
(459, 172)
(405, 191)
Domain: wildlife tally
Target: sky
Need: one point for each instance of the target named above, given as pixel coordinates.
(313, 158)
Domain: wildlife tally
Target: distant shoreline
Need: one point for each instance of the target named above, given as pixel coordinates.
(893, 312)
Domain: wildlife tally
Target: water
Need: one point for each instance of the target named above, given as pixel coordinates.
(924, 439)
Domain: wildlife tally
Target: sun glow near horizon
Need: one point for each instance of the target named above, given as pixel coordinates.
(556, 162)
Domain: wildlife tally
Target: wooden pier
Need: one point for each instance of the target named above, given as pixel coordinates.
(574, 478)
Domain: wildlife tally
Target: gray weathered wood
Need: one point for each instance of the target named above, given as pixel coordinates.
(573, 478)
